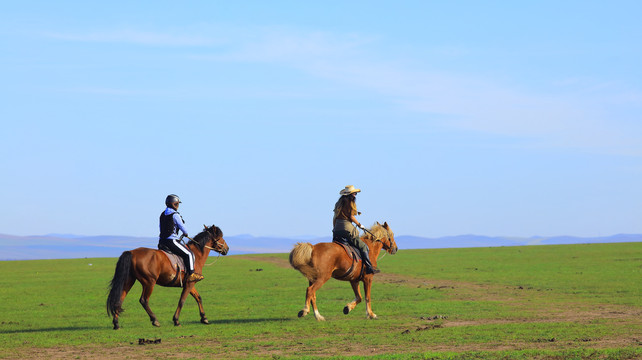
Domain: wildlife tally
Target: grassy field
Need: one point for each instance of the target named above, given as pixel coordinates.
(541, 302)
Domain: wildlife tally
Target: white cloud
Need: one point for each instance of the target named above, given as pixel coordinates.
(589, 116)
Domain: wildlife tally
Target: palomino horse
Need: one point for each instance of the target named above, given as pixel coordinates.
(151, 267)
(324, 260)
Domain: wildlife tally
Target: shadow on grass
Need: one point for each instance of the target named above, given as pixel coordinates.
(85, 328)
(243, 321)
(51, 329)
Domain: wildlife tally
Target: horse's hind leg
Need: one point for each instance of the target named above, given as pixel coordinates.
(148, 287)
(311, 294)
(306, 308)
(308, 299)
(357, 298)
(126, 287)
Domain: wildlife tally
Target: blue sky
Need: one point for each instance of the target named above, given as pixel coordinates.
(491, 118)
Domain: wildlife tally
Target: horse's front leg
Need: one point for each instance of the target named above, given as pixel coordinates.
(367, 285)
(186, 290)
(357, 297)
(199, 301)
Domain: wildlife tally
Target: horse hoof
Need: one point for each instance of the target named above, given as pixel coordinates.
(177, 324)
(301, 314)
(346, 310)
(156, 323)
(116, 327)
(205, 321)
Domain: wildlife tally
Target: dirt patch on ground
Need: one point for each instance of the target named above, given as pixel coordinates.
(179, 351)
(283, 263)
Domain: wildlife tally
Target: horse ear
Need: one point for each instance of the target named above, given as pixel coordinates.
(205, 226)
(385, 224)
(377, 223)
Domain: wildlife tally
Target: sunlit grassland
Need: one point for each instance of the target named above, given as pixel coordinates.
(571, 301)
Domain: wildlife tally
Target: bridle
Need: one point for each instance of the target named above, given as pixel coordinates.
(215, 243)
(376, 239)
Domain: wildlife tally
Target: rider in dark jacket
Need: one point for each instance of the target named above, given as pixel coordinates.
(170, 223)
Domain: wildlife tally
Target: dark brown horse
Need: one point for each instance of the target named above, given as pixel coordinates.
(318, 263)
(151, 267)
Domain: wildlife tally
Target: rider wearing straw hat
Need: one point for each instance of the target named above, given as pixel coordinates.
(345, 212)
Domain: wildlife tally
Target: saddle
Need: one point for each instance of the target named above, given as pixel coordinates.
(176, 261)
(354, 253)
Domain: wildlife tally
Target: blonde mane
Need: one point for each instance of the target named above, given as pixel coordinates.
(379, 232)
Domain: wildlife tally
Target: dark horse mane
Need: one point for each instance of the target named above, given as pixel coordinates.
(203, 237)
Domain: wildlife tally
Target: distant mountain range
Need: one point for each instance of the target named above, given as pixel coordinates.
(69, 246)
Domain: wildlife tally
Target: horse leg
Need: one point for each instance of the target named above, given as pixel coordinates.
(357, 297)
(148, 287)
(367, 285)
(126, 287)
(312, 294)
(186, 290)
(306, 307)
(199, 301)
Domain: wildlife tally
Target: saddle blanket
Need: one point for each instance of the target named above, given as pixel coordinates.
(176, 260)
(352, 251)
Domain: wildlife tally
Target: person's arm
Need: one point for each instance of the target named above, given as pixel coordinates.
(179, 222)
(355, 221)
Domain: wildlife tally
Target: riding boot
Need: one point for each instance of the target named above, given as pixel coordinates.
(194, 277)
(370, 269)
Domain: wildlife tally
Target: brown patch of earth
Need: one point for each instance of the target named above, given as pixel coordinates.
(283, 263)
(180, 351)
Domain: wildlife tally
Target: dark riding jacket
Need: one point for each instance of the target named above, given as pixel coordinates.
(170, 222)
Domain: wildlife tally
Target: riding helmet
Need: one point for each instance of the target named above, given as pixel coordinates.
(172, 199)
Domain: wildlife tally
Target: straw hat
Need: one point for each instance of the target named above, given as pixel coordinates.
(349, 190)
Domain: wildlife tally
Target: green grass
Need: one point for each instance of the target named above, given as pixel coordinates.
(543, 302)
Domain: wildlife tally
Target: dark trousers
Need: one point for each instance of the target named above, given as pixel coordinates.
(178, 248)
(356, 242)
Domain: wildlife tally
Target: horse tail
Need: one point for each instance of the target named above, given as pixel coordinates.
(301, 259)
(123, 268)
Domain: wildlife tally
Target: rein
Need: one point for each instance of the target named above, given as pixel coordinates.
(375, 239)
(215, 260)
(207, 247)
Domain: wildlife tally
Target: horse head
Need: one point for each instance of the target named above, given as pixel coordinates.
(388, 240)
(214, 239)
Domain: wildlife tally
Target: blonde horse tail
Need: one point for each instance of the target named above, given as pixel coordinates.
(301, 259)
